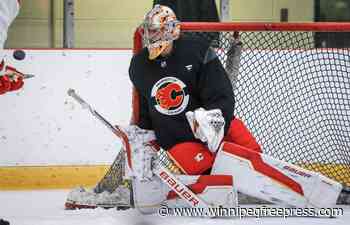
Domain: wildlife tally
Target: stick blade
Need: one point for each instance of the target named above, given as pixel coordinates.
(27, 76)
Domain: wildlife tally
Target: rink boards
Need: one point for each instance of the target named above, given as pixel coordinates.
(46, 139)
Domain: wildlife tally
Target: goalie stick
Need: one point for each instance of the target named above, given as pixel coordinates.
(163, 173)
(115, 129)
(24, 76)
(27, 76)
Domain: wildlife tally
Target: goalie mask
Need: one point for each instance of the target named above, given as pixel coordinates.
(160, 28)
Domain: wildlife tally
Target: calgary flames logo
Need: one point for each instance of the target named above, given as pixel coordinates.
(170, 97)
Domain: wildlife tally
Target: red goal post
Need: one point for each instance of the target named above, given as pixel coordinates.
(250, 26)
(292, 94)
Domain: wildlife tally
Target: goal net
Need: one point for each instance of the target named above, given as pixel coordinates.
(292, 93)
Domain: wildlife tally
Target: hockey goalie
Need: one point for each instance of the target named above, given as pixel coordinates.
(187, 147)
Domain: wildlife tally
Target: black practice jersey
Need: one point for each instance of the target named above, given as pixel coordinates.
(191, 77)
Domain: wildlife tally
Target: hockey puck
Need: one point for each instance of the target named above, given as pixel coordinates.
(4, 222)
(19, 54)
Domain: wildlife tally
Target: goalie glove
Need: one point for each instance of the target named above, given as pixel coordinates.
(208, 126)
(5, 84)
(10, 78)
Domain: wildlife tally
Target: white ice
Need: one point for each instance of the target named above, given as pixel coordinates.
(46, 208)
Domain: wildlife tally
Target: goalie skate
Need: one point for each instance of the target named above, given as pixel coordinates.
(80, 198)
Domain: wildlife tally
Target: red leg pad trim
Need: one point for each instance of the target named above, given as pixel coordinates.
(260, 166)
(205, 181)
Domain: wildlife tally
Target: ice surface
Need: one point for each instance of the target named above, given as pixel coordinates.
(46, 208)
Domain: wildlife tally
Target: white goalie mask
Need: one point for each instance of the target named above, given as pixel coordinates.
(160, 28)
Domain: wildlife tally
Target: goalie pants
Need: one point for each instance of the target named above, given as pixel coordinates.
(195, 158)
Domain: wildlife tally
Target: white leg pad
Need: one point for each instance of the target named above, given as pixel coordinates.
(274, 180)
(149, 195)
(215, 190)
